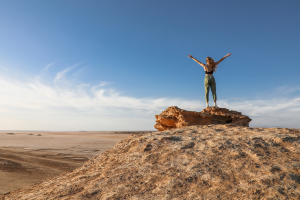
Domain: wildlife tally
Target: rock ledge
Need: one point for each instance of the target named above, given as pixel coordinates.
(174, 117)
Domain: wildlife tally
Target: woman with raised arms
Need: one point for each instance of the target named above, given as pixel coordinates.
(209, 81)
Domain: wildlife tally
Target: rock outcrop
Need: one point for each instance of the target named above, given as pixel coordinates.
(194, 162)
(174, 117)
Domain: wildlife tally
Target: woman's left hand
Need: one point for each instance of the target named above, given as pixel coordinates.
(228, 55)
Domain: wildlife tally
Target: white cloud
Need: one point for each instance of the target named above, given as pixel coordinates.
(49, 65)
(60, 75)
(287, 89)
(34, 105)
(278, 112)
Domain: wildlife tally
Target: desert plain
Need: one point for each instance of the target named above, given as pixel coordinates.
(28, 157)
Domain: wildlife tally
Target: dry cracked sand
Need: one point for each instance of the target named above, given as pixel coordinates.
(195, 162)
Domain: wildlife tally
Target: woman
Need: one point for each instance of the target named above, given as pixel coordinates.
(209, 81)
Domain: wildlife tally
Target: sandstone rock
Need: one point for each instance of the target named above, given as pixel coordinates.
(174, 117)
(194, 162)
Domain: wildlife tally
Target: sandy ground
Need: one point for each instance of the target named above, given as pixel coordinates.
(194, 162)
(30, 157)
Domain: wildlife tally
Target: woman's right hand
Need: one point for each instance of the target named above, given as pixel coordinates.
(228, 55)
(190, 56)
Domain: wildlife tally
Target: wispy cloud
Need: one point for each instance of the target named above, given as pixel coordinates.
(276, 112)
(287, 89)
(94, 107)
(49, 65)
(72, 106)
(60, 75)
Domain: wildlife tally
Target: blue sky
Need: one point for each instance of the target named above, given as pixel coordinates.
(113, 65)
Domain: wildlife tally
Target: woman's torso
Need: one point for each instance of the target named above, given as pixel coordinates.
(208, 70)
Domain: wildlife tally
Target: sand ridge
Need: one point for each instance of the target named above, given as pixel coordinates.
(195, 162)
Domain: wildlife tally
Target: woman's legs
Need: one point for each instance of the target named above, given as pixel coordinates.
(206, 87)
(213, 90)
(209, 82)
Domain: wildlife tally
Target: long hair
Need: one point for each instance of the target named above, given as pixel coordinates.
(212, 63)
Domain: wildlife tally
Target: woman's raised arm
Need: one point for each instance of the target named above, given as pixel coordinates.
(200, 63)
(223, 58)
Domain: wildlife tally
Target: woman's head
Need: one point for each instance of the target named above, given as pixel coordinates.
(211, 62)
